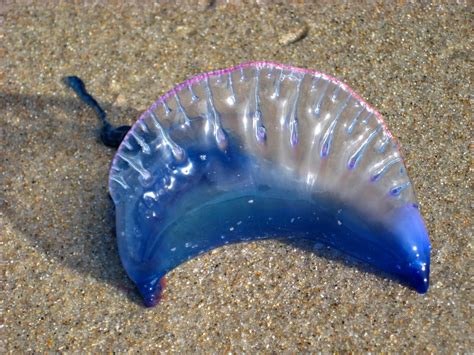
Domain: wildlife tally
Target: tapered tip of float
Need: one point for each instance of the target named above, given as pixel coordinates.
(413, 245)
(151, 291)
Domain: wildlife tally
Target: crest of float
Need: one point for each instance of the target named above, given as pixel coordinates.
(262, 151)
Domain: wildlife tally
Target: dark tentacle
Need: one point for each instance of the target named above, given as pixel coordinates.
(111, 136)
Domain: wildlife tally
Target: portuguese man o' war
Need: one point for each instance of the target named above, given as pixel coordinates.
(260, 151)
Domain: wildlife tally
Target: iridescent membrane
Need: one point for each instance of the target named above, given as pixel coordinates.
(260, 151)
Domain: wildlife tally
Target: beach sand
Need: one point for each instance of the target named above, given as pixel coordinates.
(64, 288)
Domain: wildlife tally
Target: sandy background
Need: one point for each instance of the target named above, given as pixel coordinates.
(63, 286)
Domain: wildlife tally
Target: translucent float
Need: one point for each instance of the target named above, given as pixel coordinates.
(260, 151)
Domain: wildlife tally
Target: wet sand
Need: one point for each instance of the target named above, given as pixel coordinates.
(63, 285)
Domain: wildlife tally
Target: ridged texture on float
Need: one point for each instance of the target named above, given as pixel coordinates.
(304, 121)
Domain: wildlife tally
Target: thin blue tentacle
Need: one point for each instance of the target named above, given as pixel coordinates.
(111, 136)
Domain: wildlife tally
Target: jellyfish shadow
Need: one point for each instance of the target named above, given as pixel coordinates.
(51, 197)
